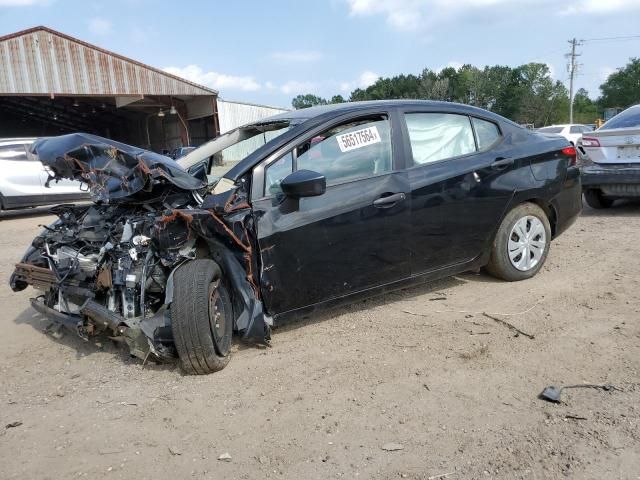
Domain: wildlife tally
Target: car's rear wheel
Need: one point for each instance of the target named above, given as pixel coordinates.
(521, 244)
(595, 199)
(201, 317)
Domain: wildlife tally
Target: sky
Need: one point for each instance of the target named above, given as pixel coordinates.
(267, 52)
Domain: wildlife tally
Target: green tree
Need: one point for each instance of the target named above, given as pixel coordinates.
(337, 99)
(585, 110)
(306, 101)
(622, 88)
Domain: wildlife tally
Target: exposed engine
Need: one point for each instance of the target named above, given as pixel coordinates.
(101, 262)
(108, 267)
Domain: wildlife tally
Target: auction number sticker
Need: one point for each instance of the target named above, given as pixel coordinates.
(358, 139)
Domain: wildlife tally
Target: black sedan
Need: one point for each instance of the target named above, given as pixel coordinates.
(299, 211)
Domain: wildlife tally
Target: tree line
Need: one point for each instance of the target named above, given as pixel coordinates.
(526, 94)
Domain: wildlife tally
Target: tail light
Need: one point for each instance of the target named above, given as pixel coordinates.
(571, 153)
(590, 142)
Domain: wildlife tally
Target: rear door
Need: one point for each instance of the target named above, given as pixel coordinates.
(20, 176)
(461, 180)
(351, 238)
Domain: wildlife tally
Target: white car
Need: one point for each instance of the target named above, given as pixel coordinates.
(614, 153)
(571, 132)
(23, 178)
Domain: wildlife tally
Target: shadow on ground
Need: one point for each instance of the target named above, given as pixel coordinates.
(621, 208)
(102, 343)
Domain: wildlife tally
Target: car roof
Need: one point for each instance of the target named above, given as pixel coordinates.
(304, 114)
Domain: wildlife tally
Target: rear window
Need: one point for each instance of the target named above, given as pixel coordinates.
(630, 118)
(551, 129)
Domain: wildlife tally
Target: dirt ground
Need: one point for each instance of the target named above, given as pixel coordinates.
(423, 369)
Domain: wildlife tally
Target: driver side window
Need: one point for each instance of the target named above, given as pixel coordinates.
(349, 151)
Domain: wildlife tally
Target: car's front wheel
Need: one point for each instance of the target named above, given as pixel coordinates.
(201, 317)
(595, 199)
(521, 244)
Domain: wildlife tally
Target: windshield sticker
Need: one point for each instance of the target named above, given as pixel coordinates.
(358, 139)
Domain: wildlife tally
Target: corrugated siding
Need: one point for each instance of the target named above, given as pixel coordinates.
(234, 114)
(41, 62)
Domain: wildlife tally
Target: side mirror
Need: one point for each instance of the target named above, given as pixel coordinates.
(303, 183)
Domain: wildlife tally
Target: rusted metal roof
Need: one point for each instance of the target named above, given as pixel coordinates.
(42, 61)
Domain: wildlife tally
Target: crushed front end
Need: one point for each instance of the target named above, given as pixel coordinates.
(107, 268)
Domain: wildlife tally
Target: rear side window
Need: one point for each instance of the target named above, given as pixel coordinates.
(576, 129)
(13, 152)
(487, 133)
(630, 118)
(438, 136)
(350, 151)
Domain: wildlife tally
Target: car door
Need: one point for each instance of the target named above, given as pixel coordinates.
(460, 186)
(20, 183)
(349, 239)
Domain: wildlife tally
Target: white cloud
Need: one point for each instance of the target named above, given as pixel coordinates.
(23, 3)
(100, 26)
(364, 80)
(412, 15)
(599, 6)
(218, 81)
(296, 56)
(294, 87)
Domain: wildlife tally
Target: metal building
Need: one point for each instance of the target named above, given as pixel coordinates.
(234, 114)
(51, 83)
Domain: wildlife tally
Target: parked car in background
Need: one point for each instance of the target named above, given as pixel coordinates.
(572, 132)
(181, 152)
(24, 180)
(612, 168)
(329, 204)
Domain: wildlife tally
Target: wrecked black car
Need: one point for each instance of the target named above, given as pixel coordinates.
(278, 218)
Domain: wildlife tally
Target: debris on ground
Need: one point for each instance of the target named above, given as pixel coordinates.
(552, 393)
(225, 457)
(13, 425)
(392, 447)
(174, 451)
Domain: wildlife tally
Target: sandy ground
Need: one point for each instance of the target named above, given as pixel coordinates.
(422, 368)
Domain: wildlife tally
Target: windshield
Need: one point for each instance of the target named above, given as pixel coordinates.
(227, 150)
(630, 118)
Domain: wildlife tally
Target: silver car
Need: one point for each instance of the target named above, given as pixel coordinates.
(613, 167)
(24, 180)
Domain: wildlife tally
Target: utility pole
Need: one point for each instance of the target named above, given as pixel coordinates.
(572, 67)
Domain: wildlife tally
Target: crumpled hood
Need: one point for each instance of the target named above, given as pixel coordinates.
(111, 169)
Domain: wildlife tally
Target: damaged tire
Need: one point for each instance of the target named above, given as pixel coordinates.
(521, 244)
(201, 317)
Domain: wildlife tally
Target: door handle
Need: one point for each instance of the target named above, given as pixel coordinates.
(389, 201)
(501, 163)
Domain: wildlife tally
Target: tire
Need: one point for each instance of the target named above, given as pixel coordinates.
(512, 267)
(595, 199)
(199, 292)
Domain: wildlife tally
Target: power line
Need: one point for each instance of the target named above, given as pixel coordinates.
(602, 39)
